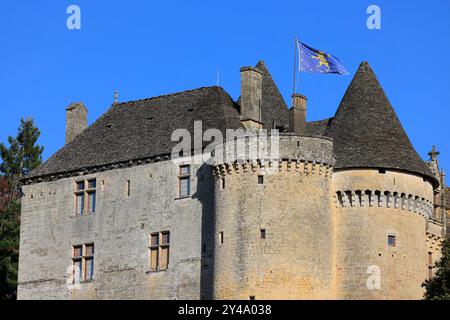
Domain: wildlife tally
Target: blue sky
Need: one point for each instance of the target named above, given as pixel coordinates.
(146, 48)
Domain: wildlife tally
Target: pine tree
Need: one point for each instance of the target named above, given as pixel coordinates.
(22, 156)
(438, 287)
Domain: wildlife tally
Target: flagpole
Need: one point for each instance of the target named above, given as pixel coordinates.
(295, 64)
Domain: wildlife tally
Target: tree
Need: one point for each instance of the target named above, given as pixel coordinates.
(4, 193)
(438, 287)
(22, 156)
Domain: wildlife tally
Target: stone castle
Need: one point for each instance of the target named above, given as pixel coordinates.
(348, 210)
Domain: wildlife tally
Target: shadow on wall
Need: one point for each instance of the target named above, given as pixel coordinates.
(206, 195)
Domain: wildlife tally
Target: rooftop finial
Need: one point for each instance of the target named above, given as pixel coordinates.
(116, 97)
(433, 153)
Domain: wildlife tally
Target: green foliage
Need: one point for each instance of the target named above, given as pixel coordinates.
(9, 249)
(22, 156)
(438, 288)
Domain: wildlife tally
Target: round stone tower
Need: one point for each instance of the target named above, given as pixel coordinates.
(273, 224)
(383, 195)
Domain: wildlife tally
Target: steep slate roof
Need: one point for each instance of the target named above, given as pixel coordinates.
(367, 132)
(317, 128)
(273, 106)
(142, 129)
(365, 128)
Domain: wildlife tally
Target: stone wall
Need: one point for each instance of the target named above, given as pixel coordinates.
(363, 226)
(273, 226)
(120, 230)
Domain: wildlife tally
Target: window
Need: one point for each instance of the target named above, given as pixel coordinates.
(382, 171)
(128, 188)
(252, 298)
(260, 179)
(221, 237)
(430, 265)
(85, 197)
(184, 181)
(263, 233)
(222, 181)
(159, 250)
(391, 241)
(83, 262)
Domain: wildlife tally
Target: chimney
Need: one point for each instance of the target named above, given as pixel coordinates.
(76, 120)
(297, 114)
(251, 92)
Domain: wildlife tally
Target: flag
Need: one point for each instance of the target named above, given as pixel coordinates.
(316, 61)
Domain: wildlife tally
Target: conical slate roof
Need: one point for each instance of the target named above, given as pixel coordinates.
(367, 132)
(273, 106)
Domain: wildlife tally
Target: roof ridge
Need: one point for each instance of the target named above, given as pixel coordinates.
(171, 94)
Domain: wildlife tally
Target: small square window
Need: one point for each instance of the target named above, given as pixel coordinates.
(263, 233)
(80, 185)
(77, 251)
(382, 171)
(89, 250)
(154, 239)
(260, 179)
(184, 170)
(165, 238)
(92, 184)
(391, 240)
(252, 298)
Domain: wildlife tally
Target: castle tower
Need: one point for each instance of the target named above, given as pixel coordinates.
(273, 223)
(384, 199)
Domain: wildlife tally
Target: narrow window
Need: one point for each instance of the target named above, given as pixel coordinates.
(83, 262)
(80, 203)
(92, 185)
(77, 257)
(391, 241)
(165, 243)
(222, 183)
(159, 250)
(221, 237)
(430, 265)
(79, 195)
(184, 181)
(263, 233)
(89, 262)
(260, 179)
(128, 188)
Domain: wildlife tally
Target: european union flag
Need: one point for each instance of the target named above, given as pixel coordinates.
(316, 61)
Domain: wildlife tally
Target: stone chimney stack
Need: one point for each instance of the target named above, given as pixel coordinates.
(251, 95)
(297, 114)
(76, 120)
